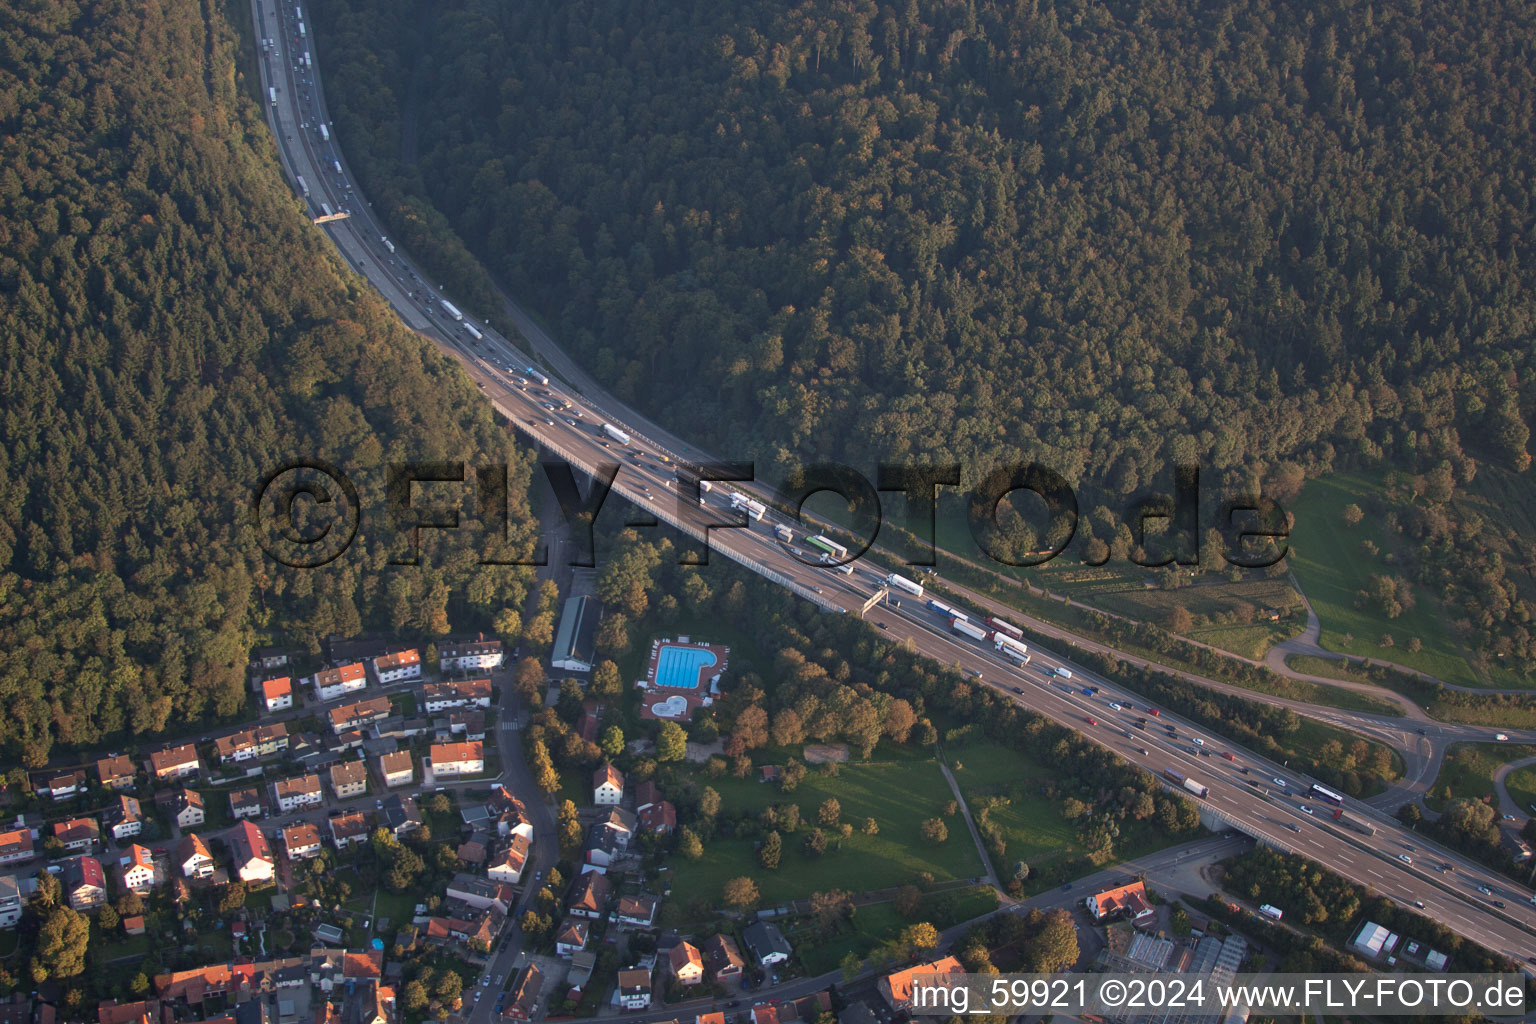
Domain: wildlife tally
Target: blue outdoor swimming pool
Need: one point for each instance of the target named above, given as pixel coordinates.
(678, 667)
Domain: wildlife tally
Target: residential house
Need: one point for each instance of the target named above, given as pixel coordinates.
(601, 850)
(621, 822)
(450, 759)
(686, 963)
(125, 818)
(401, 665)
(349, 779)
(252, 853)
(347, 829)
(359, 715)
(468, 724)
(509, 860)
(767, 943)
(138, 869)
(397, 769)
(607, 786)
(659, 819)
(277, 694)
(570, 937)
(133, 925)
(79, 835)
(456, 693)
(896, 988)
(400, 815)
(334, 683)
(764, 1014)
(634, 991)
(64, 786)
(85, 883)
(590, 895)
(299, 791)
(461, 924)
(646, 795)
(473, 854)
(481, 893)
(302, 841)
(510, 814)
(16, 846)
(718, 1017)
(264, 658)
(635, 910)
(193, 857)
(474, 654)
(10, 901)
(188, 808)
(198, 984)
(1128, 900)
(245, 803)
(723, 958)
(523, 1000)
(116, 772)
(250, 744)
(173, 763)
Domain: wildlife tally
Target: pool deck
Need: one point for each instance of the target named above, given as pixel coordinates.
(680, 704)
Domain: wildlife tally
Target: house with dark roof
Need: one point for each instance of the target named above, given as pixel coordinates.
(767, 943)
(124, 817)
(400, 815)
(634, 989)
(469, 654)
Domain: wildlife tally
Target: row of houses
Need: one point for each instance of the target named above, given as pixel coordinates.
(717, 958)
(391, 663)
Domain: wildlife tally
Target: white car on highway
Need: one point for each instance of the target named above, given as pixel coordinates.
(1277, 780)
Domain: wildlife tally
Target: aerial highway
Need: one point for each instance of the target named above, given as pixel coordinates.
(1247, 793)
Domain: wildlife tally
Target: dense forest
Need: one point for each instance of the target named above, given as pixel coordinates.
(1270, 237)
(174, 329)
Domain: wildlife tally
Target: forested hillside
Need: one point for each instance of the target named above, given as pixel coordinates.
(1269, 236)
(173, 329)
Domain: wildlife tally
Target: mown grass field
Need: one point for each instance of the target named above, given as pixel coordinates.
(1329, 562)
(1521, 784)
(898, 795)
(879, 923)
(1468, 770)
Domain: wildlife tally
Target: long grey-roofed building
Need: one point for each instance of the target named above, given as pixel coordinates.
(575, 640)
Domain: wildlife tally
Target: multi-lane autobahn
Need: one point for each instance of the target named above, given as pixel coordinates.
(1265, 801)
